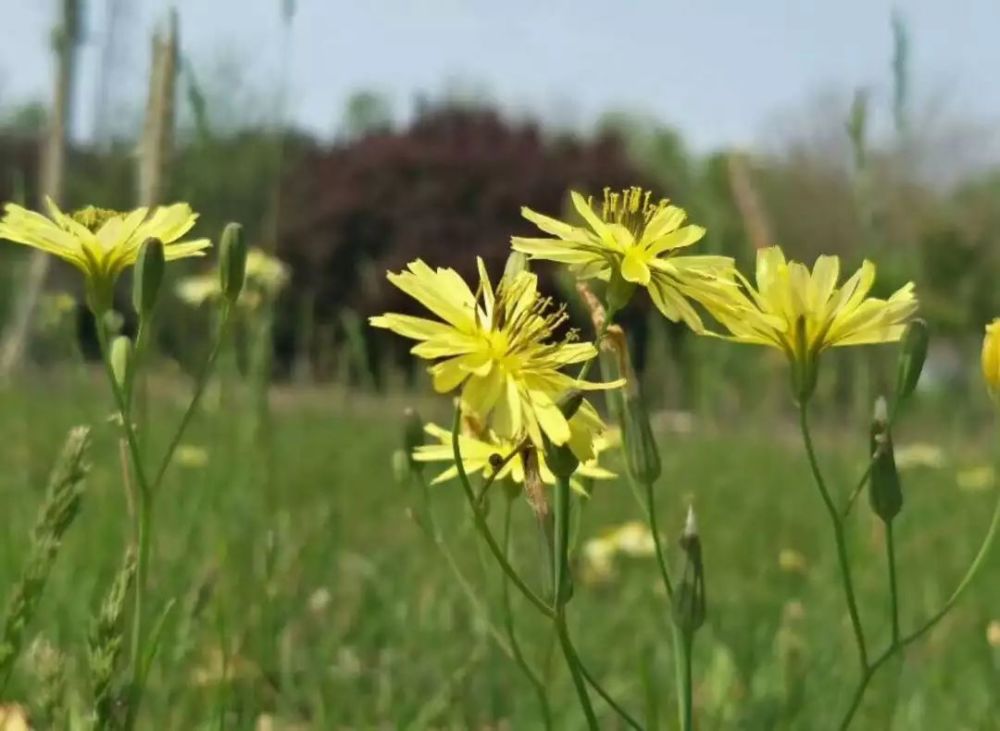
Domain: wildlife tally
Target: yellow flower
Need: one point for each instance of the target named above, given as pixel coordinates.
(500, 347)
(993, 633)
(991, 357)
(13, 718)
(102, 243)
(266, 276)
(634, 242)
(191, 456)
(804, 313)
(480, 452)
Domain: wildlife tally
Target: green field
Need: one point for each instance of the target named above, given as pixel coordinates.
(305, 592)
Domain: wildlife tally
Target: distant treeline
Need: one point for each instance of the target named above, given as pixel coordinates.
(451, 182)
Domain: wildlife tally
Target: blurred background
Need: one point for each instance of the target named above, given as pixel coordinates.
(350, 138)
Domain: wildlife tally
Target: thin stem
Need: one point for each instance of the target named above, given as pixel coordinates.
(592, 682)
(890, 553)
(657, 543)
(573, 663)
(199, 391)
(912, 637)
(682, 687)
(508, 617)
(838, 533)
(858, 488)
(488, 482)
(687, 686)
(144, 508)
(560, 590)
(483, 527)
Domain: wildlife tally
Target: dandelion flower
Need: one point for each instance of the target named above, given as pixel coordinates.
(499, 346)
(991, 357)
(13, 718)
(788, 294)
(993, 633)
(481, 453)
(976, 479)
(634, 242)
(102, 243)
(191, 456)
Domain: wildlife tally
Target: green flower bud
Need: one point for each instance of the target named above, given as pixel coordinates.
(642, 456)
(121, 359)
(232, 261)
(148, 276)
(570, 403)
(689, 606)
(560, 459)
(516, 263)
(912, 355)
(884, 490)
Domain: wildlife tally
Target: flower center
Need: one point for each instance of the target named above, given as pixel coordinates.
(520, 333)
(631, 208)
(92, 217)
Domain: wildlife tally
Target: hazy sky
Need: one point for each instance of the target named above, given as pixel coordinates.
(720, 70)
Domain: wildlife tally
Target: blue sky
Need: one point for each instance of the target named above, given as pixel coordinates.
(721, 71)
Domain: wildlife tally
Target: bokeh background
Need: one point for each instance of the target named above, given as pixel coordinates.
(351, 138)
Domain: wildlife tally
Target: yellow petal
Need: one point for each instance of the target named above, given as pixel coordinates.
(634, 269)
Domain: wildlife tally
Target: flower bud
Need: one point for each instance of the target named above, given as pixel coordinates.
(560, 459)
(232, 261)
(884, 490)
(642, 456)
(991, 358)
(689, 606)
(570, 403)
(912, 355)
(121, 359)
(148, 276)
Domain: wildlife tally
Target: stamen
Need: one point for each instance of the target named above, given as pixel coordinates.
(92, 218)
(631, 207)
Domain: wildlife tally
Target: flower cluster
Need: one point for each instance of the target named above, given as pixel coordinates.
(505, 348)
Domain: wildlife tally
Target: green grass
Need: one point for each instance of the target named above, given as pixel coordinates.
(296, 566)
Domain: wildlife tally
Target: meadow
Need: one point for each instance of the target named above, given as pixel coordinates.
(674, 500)
(308, 599)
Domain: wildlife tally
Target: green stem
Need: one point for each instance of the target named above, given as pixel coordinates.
(515, 646)
(484, 529)
(560, 590)
(657, 543)
(199, 391)
(890, 552)
(682, 677)
(838, 534)
(912, 637)
(592, 682)
(144, 509)
(573, 663)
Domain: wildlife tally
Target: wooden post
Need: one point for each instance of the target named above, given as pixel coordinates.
(156, 146)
